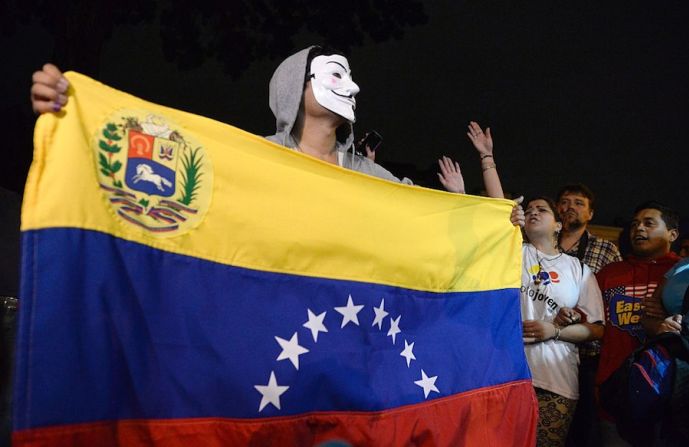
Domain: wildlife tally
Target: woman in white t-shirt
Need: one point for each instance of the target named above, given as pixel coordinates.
(552, 280)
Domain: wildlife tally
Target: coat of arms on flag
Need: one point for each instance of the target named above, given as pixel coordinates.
(155, 177)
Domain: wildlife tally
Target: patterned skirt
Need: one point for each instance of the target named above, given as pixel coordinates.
(554, 416)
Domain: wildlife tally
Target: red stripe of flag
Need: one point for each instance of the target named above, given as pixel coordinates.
(503, 415)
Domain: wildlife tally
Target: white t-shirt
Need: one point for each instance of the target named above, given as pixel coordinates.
(554, 363)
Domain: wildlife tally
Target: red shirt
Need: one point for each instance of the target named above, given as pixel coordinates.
(625, 285)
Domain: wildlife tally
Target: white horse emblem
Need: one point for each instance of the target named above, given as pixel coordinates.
(145, 173)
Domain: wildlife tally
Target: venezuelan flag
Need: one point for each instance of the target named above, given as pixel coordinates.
(186, 283)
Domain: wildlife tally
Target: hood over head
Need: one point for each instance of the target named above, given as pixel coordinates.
(285, 95)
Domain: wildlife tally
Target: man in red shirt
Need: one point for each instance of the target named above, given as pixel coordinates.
(626, 285)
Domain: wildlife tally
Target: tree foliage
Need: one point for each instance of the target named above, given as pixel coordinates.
(234, 32)
(238, 32)
(79, 27)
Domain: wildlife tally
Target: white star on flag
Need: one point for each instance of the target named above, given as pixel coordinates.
(427, 383)
(380, 314)
(408, 352)
(349, 312)
(315, 323)
(291, 349)
(394, 328)
(271, 393)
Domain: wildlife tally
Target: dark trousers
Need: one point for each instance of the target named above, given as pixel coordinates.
(8, 336)
(585, 428)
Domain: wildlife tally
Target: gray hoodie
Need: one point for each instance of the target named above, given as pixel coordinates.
(286, 91)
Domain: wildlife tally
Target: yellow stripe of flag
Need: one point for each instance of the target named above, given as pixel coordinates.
(258, 205)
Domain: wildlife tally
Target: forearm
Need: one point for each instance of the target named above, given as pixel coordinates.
(655, 326)
(491, 179)
(651, 324)
(581, 332)
(654, 313)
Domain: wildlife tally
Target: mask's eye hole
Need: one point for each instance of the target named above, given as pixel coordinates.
(337, 75)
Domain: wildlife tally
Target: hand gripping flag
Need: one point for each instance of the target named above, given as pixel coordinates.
(186, 283)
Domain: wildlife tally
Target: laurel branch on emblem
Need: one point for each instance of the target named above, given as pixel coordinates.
(110, 147)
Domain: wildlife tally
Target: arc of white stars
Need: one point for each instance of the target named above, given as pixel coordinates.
(408, 352)
(291, 349)
(394, 328)
(427, 383)
(349, 312)
(315, 323)
(270, 393)
(381, 313)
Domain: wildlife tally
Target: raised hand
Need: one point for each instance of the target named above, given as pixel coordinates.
(49, 90)
(482, 141)
(450, 175)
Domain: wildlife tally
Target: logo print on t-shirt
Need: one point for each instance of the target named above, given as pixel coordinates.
(625, 306)
(545, 277)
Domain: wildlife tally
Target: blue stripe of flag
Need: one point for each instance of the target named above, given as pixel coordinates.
(119, 330)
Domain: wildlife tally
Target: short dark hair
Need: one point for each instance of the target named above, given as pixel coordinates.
(669, 216)
(578, 188)
(551, 204)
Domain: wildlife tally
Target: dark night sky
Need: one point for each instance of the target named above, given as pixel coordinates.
(573, 91)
